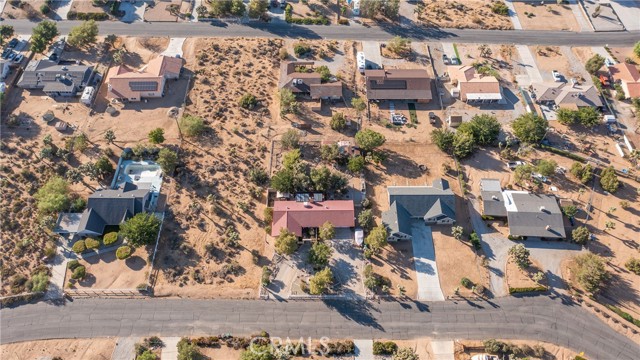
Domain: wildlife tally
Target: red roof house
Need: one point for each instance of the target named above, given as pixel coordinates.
(295, 215)
(629, 78)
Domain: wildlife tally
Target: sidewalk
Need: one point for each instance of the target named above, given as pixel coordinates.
(170, 349)
(442, 350)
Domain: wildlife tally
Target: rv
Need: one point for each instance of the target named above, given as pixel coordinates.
(361, 62)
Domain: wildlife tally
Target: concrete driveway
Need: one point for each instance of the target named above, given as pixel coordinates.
(175, 47)
(550, 254)
(60, 9)
(424, 256)
(133, 11)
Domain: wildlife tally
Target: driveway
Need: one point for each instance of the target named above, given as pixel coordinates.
(528, 62)
(628, 12)
(424, 257)
(364, 349)
(175, 47)
(133, 11)
(550, 254)
(60, 10)
(372, 54)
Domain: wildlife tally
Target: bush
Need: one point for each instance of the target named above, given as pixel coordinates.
(623, 315)
(384, 348)
(73, 264)
(527, 289)
(500, 8)
(79, 247)
(343, 21)
(591, 272)
(609, 180)
(338, 122)
(45, 9)
(633, 265)
(142, 229)
(475, 240)
(123, 252)
(466, 283)
(110, 238)
(266, 276)
(301, 49)
(39, 282)
(79, 273)
(91, 243)
(580, 235)
(192, 126)
(568, 154)
(248, 101)
(72, 15)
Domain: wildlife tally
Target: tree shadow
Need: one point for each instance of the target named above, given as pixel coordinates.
(136, 263)
(360, 312)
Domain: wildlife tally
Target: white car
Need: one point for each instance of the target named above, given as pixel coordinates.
(513, 164)
(485, 357)
(540, 177)
(556, 75)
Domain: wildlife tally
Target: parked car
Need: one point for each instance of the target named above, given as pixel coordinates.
(556, 75)
(445, 59)
(11, 55)
(432, 117)
(18, 58)
(398, 119)
(609, 62)
(540, 177)
(13, 43)
(455, 61)
(513, 164)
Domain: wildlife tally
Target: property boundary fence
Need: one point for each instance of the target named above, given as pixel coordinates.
(105, 293)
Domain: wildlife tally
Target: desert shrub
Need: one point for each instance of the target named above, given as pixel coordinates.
(248, 101)
(79, 247)
(73, 264)
(338, 122)
(475, 240)
(500, 8)
(266, 276)
(513, 290)
(91, 243)
(466, 283)
(384, 348)
(110, 238)
(591, 272)
(258, 176)
(79, 273)
(290, 139)
(301, 49)
(39, 282)
(594, 64)
(283, 54)
(609, 180)
(53, 196)
(580, 235)
(187, 350)
(192, 126)
(123, 252)
(633, 265)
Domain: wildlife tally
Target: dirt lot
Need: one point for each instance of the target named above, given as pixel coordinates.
(107, 272)
(160, 11)
(67, 349)
(471, 14)
(520, 278)
(546, 17)
(83, 6)
(623, 53)
(395, 263)
(29, 10)
(311, 8)
(465, 349)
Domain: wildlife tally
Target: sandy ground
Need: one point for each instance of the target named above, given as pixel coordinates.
(623, 53)
(159, 12)
(473, 14)
(30, 10)
(67, 349)
(520, 278)
(83, 6)
(465, 349)
(395, 262)
(107, 272)
(546, 17)
(308, 10)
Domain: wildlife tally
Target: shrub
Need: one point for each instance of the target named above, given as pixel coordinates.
(399, 46)
(73, 264)
(384, 348)
(39, 281)
(406, 353)
(466, 283)
(590, 272)
(475, 240)
(45, 9)
(192, 126)
(343, 21)
(187, 350)
(142, 229)
(301, 49)
(79, 247)
(123, 252)
(168, 160)
(580, 235)
(356, 164)
(283, 54)
(633, 265)
(266, 276)
(609, 180)
(290, 139)
(53, 196)
(79, 273)
(319, 282)
(624, 315)
(91, 243)
(338, 122)
(110, 238)
(594, 64)
(527, 289)
(248, 101)
(500, 8)
(520, 256)
(156, 136)
(568, 154)
(286, 243)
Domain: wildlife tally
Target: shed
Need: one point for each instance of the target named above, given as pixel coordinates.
(454, 120)
(61, 126)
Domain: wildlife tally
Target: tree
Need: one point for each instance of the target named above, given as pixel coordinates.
(192, 126)
(110, 136)
(406, 353)
(365, 219)
(338, 122)
(485, 128)
(399, 46)
(290, 139)
(609, 180)
(590, 272)
(356, 164)
(288, 103)
(53, 196)
(580, 235)
(538, 277)
(376, 239)
(327, 231)
(42, 35)
(321, 178)
(443, 139)
(358, 104)
(566, 116)
(248, 101)
(168, 160)
(141, 229)
(104, 167)
(582, 173)
(570, 211)
(520, 256)
(530, 128)
(319, 282)
(320, 254)
(463, 144)
(83, 34)
(546, 167)
(6, 31)
(286, 242)
(188, 350)
(636, 49)
(325, 73)
(368, 139)
(147, 355)
(588, 117)
(330, 152)
(457, 232)
(594, 64)
(156, 136)
(257, 8)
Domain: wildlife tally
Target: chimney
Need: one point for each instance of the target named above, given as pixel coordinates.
(494, 197)
(542, 208)
(306, 204)
(548, 227)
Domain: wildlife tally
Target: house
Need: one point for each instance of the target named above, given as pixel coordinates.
(54, 53)
(302, 80)
(569, 96)
(492, 198)
(149, 82)
(534, 215)
(628, 76)
(434, 204)
(55, 79)
(472, 87)
(303, 218)
(398, 84)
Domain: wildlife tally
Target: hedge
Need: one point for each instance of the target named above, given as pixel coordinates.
(568, 154)
(624, 315)
(384, 348)
(123, 252)
(72, 15)
(79, 247)
(527, 289)
(73, 264)
(91, 243)
(79, 273)
(110, 238)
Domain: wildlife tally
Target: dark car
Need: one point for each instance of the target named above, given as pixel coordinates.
(13, 43)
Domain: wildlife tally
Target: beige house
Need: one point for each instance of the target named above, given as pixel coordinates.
(149, 82)
(472, 87)
(398, 84)
(629, 78)
(302, 80)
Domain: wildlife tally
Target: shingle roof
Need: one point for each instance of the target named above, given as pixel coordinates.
(534, 215)
(326, 90)
(398, 84)
(563, 94)
(492, 199)
(46, 74)
(397, 219)
(294, 216)
(111, 207)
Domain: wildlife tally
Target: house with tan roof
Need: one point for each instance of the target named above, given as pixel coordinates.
(149, 82)
(472, 87)
(629, 78)
(566, 95)
(302, 80)
(398, 84)
(305, 217)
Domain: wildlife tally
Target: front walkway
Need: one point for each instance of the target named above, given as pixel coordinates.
(125, 348)
(364, 350)
(424, 257)
(175, 47)
(170, 349)
(55, 290)
(442, 350)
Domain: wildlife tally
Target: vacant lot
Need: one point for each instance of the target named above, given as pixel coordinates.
(546, 17)
(465, 349)
(67, 349)
(105, 271)
(27, 10)
(471, 14)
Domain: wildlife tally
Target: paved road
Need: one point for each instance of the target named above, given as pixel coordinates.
(353, 32)
(540, 318)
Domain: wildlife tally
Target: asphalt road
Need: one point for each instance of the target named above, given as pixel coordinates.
(353, 32)
(534, 318)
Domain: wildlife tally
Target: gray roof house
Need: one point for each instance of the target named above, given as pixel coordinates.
(434, 204)
(55, 79)
(492, 198)
(534, 215)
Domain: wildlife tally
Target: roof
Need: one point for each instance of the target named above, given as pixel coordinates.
(333, 89)
(124, 82)
(568, 94)
(398, 84)
(473, 85)
(534, 215)
(294, 216)
(397, 219)
(288, 73)
(163, 65)
(112, 207)
(50, 76)
(625, 72)
(492, 198)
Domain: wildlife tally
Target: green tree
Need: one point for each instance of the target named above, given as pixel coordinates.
(258, 8)
(290, 139)
(286, 242)
(406, 353)
(530, 128)
(104, 167)
(192, 126)
(42, 35)
(580, 235)
(609, 180)
(589, 117)
(288, 103)
(53, 196)
(110, 136)
(327, 231)
(443, 139)
(141, 229)
(258, 352)
(83, 34)
(39, 281)
(329, 152)
(156, 136)
(399, 46)
(188, 350)
(325, 73)
(321, 178)
(484, 128)
(570, 211)
(6, 31)
(376, 239)
(319, 283)
(566, 116)
(546, 167)
(365, 219)
(457, 232)
(248, 101)
(359, 105)
(237, 7)
(463, 144)
(590, 272)
(168, 160)
(520, 256)
(356, 164)
(338, 122)
(636, 49)
(147, 355)
(320, 254)
(594, 64)
(368, 139)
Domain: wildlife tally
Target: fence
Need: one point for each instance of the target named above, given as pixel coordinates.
(105, 293)
(11, 299)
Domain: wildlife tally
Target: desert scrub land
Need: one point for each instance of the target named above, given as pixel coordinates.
(468, 14)
(213, 237)
(67, 349)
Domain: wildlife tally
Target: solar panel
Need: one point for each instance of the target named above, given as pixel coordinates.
(143, 86)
